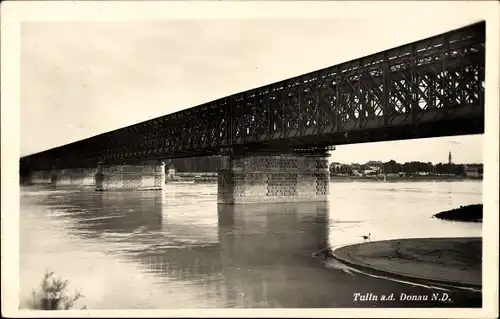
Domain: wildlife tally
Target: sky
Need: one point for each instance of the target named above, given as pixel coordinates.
(79, 79)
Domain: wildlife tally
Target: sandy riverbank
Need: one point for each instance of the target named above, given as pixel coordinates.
(451, 261)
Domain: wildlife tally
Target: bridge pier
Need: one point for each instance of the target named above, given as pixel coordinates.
(144, 176)
(39, 177)
(273, 178)
(62, 177)
(72, 177)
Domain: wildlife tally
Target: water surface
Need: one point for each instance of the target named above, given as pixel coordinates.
(177, 248)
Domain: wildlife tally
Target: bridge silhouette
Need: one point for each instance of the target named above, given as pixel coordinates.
(428, 88)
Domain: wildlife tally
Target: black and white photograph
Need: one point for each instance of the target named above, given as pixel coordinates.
(240, 158)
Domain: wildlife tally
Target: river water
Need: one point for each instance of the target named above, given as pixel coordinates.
(177, 248)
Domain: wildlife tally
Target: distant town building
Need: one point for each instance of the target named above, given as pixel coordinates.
(335, 168)
(357, 172)
(335, 165)
(356, 169)
(374, 167)
(473, 170)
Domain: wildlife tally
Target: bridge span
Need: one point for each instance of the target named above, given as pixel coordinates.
(275, 138)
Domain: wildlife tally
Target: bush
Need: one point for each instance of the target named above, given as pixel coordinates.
(53, 294)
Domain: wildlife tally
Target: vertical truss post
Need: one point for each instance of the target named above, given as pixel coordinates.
(301, 118)
(225, 140)
(283, 119)
(268, 105)
(337, 99)
(216, 121)
(444, 95)
(432, 95)
(318, 113)
(386, 88)
(245, 116)
(251, 116)
(414, 82)
(369, 96)
(366, 93)
(361, 99)
(453, 89)
(481, 79)
(230, 120)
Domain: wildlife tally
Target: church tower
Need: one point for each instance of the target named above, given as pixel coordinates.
(449, 157)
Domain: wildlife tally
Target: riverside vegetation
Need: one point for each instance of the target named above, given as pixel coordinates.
(53, 294)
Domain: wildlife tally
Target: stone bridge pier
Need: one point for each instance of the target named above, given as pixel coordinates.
(148, 175)
(72, 177)
(40, 177)
(246, 178)
(61, 177)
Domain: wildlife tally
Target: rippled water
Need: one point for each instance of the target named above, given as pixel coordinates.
(177, 248)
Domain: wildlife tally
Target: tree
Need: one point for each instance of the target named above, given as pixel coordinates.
(408, 168)
(430, 167)
(388, 168)
(439, 169)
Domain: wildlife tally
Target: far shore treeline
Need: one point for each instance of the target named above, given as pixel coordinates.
(408, 168)
(212, 164)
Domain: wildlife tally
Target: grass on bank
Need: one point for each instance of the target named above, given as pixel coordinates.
(53, 294)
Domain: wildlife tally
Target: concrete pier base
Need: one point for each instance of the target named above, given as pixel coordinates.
(63, 177)
(73, 177)
(147, 176)
(40, 177)
(273, 179)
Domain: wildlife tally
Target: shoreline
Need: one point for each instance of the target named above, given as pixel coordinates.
(190, 177)
(470, 213)
(415, 178)
(448, 261)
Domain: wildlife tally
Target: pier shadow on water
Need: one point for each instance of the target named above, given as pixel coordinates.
(261, 258)
(266, 251)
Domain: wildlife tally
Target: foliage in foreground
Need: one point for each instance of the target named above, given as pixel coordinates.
(53, 294)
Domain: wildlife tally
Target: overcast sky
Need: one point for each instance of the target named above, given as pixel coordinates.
(80, 79)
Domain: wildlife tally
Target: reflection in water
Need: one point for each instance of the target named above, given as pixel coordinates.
(266, 250)
(178, 249)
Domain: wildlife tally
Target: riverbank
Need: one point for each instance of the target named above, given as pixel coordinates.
(212, 178)
(397, 178)
(448, 261)
(469, 213)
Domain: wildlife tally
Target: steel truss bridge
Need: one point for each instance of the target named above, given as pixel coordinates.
(429, 88)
